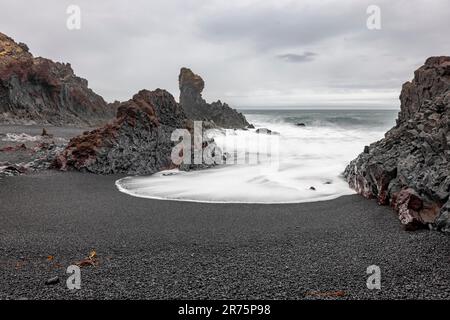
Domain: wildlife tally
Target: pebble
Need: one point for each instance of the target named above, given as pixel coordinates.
(52, 281)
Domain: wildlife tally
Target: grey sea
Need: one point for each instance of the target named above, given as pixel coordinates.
(313, 147)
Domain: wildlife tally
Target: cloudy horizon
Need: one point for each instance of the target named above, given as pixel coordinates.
(275, 54)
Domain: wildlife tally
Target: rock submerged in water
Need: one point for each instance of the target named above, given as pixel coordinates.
(409, 169)
(196, 108)
(266, 131)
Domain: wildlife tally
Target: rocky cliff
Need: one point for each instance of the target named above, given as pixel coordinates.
(410, 168)
(38, 90)
(196, 108)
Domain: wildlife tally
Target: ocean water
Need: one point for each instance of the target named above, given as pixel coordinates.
(300, 164)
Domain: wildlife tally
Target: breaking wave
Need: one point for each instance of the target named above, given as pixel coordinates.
(309, 166)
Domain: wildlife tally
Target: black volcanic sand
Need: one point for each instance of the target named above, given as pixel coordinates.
(163, 249)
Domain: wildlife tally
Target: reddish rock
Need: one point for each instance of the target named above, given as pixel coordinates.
(42, 91)
(408, 204)
(136, 142)
(21, 147)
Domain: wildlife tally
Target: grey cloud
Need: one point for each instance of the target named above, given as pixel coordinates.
(240, 47)
(296, 23)
(297, 58)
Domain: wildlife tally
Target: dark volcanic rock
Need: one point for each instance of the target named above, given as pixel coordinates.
(443, 221)
(196, 108)
(7, 169)
(409, 169)
(136, 142)
(38, 90)
(266, 131)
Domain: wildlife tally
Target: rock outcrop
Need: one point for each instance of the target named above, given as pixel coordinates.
(38, 90)
(196, 108)
(410, 168)
(138, 141)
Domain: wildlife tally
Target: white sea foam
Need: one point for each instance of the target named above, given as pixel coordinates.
(21, 137)
(312, 156)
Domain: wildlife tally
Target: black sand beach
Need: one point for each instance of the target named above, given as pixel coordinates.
(150, 249)
(274, 103)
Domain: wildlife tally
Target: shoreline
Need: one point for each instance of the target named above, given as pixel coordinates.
(127, 192)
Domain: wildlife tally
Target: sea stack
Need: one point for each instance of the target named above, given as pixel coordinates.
(196, 108)
(38, 90)
(410, 168)
(138, 141)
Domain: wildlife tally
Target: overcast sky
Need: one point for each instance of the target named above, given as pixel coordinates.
(251, 53)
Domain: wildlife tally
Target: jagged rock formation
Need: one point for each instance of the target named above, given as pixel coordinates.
(38, 90)
(196, 108)
(136, 142)
(410, 168)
